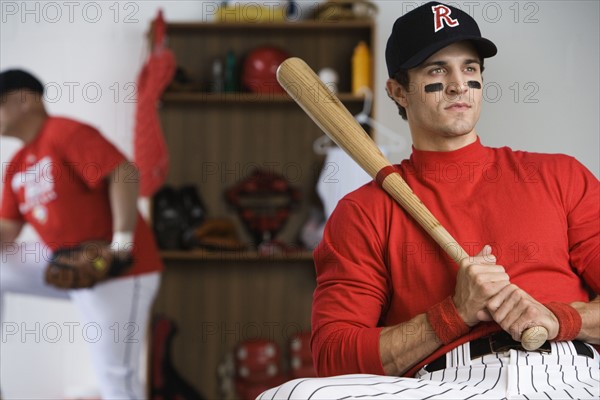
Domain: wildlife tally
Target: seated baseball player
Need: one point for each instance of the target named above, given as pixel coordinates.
(80, 194)
(393, 315)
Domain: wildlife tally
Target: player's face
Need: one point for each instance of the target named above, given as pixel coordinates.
(445, 93)
(11, 111)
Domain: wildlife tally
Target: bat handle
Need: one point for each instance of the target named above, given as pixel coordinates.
(534, 337)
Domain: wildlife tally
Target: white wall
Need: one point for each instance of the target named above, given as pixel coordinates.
(547, 47)
(89, 52)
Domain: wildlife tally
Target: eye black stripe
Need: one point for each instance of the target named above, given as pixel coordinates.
(434, 87)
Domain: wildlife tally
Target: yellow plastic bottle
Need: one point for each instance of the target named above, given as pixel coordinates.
(361, 68)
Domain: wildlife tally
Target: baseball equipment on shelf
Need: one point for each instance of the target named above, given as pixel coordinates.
(260, 67)
(264, 201)
(257, 360)
(214, 234)
(165, 381)
(194, 213)
(301, 362)
(344, 10)
(176, 214)
(258, 367)
(168, 219)
(328, 112)
(86, 265)
(193, 206)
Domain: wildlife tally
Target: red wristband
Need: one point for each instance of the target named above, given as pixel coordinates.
(569, 320)
(446, 322)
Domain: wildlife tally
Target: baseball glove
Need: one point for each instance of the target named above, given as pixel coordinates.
(85, 265)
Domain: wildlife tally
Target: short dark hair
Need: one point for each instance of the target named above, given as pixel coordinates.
(16, 79)
(403, 80)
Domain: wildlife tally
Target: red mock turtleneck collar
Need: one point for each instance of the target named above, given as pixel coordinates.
(449, 166)
(470, 153)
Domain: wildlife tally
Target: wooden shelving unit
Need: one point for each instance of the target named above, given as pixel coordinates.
(308, 25)
(200, 256)
(215, 139)
(241, 98)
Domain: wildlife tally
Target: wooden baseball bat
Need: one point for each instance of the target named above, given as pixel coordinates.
(328, 112)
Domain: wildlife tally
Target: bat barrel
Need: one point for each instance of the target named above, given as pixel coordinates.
(328, 112)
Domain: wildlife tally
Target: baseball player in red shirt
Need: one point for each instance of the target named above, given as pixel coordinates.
(393, 316)
(80, 194)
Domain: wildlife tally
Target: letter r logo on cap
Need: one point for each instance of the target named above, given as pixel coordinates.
(441, 14)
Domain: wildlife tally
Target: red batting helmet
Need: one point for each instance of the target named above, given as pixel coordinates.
(260, 68)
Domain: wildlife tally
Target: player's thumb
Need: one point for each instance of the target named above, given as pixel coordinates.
(486, 254)
(484, 315)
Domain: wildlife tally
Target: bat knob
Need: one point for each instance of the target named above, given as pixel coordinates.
(534, 337)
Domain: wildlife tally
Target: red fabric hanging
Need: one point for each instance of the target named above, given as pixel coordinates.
(150, 150)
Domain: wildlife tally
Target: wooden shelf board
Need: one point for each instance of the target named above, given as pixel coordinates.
(174, 27)
(246, 255)
(241, 98)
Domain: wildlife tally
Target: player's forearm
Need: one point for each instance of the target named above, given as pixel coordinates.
(124, 187)
(9, 231)
(404, 345)
(590, 317)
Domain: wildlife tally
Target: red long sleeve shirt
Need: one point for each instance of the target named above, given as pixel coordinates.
(376, 267)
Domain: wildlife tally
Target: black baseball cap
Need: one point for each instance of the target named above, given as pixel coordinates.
(423, 31)
(17, 79)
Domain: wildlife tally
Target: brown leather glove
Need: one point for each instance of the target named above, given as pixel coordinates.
(216, 234)
(85, 265)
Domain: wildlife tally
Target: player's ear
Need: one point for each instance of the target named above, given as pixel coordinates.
(396, 92)
(29, 100)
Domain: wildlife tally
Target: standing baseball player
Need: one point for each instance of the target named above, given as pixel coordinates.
(393, 316)
(80, 194)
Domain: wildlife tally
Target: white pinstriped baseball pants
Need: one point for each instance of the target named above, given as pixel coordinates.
(562, 374)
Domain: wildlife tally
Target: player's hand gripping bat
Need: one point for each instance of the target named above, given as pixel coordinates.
(327, 111)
